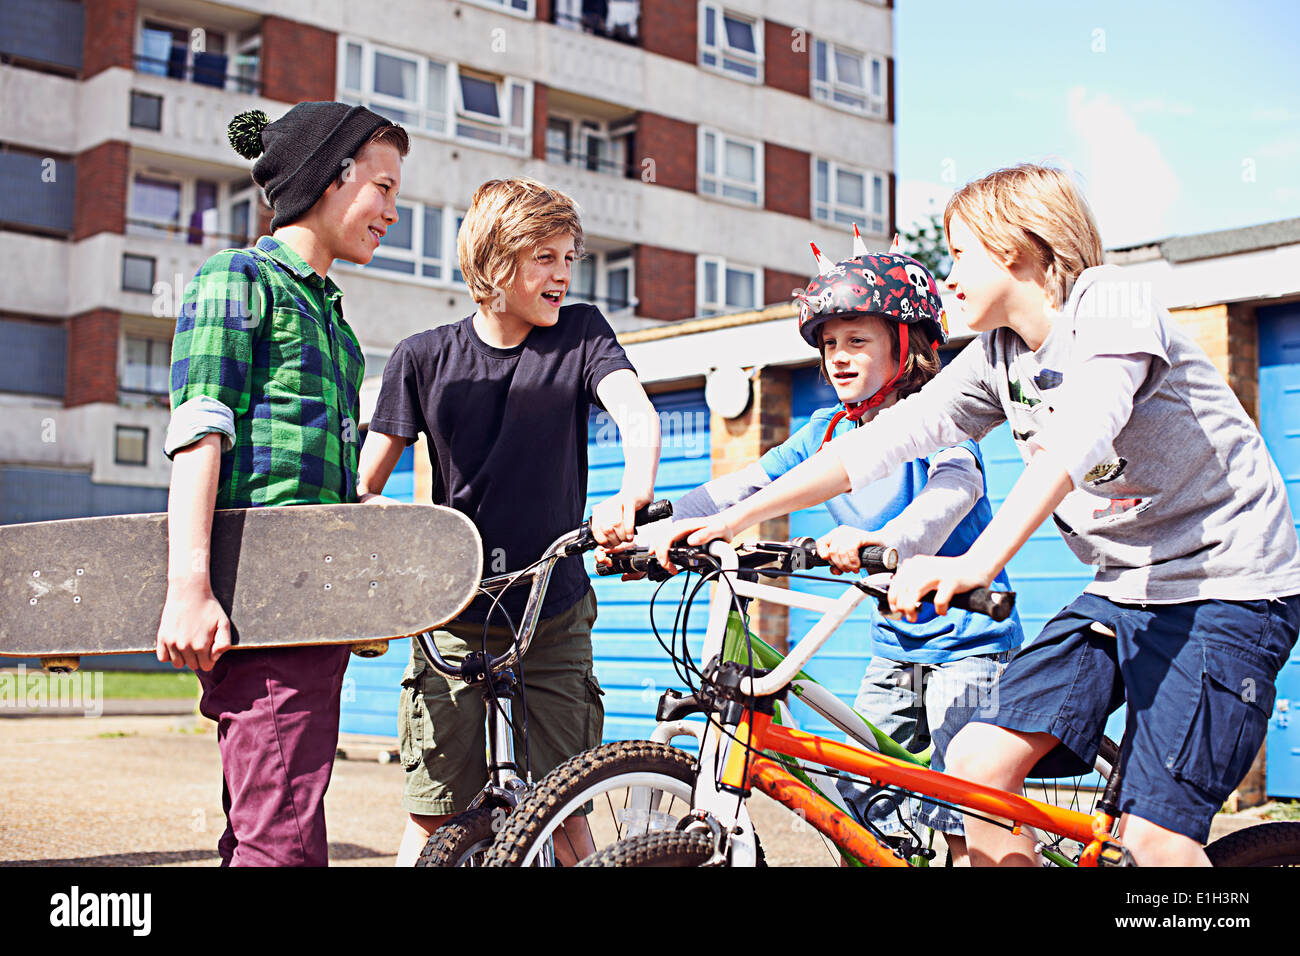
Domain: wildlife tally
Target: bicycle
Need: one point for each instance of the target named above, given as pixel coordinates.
(463, 839)
(743, 749)
(651, 782)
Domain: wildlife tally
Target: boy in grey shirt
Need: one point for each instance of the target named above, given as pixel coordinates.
(1151, 470)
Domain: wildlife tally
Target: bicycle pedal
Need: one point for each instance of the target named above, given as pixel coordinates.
(1113, 854)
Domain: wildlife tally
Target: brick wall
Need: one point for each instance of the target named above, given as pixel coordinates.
(109, 36)
(669, 27)
(665, 283)
(787, 180)
(1229, 334)
(785, 58)
(777, 286)
(539, 120)
(92, 358)
(298, 61)
(671, 144)
(543, 10)
(101, 190)
(739, 442)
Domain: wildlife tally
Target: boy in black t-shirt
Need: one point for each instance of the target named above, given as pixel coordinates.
(504, 396)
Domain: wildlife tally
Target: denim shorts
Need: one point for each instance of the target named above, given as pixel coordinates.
(920, 705)
(1198, 679)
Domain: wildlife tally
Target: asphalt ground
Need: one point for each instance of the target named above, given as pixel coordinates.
(145, 790)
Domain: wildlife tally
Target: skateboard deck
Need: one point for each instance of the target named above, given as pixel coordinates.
(310, 574)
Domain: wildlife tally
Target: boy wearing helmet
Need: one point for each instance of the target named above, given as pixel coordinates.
(877, 320)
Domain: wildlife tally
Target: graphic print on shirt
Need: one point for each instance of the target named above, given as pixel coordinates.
(1028, 414)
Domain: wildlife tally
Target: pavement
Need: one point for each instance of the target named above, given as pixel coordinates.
(144, 789)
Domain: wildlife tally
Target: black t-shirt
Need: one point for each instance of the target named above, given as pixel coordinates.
(507, 435)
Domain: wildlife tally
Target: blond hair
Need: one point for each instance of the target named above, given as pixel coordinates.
(506, 218)
(1035, 214)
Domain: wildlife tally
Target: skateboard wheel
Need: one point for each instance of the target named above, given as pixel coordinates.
(60, 665)
(370, 648)
(389, 756)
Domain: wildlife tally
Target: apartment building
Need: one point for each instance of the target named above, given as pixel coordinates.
(706, 143)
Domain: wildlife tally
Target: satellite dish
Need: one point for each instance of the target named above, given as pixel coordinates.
(727, 391)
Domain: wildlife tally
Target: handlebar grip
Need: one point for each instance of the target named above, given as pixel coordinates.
(995, 604)
(877, 558)
(654, 511)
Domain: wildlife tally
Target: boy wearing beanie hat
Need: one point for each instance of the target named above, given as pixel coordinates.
(264, 386)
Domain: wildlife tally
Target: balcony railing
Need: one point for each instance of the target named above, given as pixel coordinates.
(580, 160)
(206, 69)
(189, 234)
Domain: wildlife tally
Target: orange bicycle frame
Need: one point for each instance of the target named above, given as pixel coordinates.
(746, 768)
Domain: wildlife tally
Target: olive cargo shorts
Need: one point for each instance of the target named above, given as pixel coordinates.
(441, 721)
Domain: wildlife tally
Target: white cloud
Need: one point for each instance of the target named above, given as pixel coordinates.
(1130, 185)
(918, 199)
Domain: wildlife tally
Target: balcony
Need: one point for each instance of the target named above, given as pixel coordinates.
(612, 19)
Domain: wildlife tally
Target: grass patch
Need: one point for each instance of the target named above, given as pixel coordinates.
(150, 685)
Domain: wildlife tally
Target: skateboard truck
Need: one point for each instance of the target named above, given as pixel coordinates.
(60, 665)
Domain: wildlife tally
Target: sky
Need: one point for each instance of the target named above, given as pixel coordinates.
(1177, 117)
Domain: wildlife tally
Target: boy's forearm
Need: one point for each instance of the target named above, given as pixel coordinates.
(1035, 495)
(818, 479)
(641, 458)
(191, 498)
(378, 459)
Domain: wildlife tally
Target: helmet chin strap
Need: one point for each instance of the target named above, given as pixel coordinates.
(853, 411)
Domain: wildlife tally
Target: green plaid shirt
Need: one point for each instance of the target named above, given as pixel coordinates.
(263, 335)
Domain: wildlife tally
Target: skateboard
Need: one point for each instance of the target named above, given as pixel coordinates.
(308, 574)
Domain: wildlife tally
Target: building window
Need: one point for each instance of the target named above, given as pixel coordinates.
(155, 206)
(615, 19)
(130, 445)
(730, 168)
(437, 97)
(422, 243)
(848, 79)
(146, 111)
(147, 370)
(731, 43)
(589, 144)
(523, 8)
(604, 279)
(846, 195)
(723, 286)
(137, 273)
(200, 55)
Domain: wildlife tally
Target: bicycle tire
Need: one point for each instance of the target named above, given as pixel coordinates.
(650, 770)
(464, 839)
(1265, 844)
(669, 848)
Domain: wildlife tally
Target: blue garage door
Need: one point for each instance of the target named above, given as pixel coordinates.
(370, 687)
(1045, 574)
(1279, 420)
(632, 668)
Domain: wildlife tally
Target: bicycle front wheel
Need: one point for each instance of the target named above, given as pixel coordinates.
(464, 839)
(635, 787)
(677, 848)
(1266, 844)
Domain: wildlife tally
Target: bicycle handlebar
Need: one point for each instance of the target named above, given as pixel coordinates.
(799, 554)
(567, 545)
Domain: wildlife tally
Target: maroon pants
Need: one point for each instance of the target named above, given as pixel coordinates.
(277, 714)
